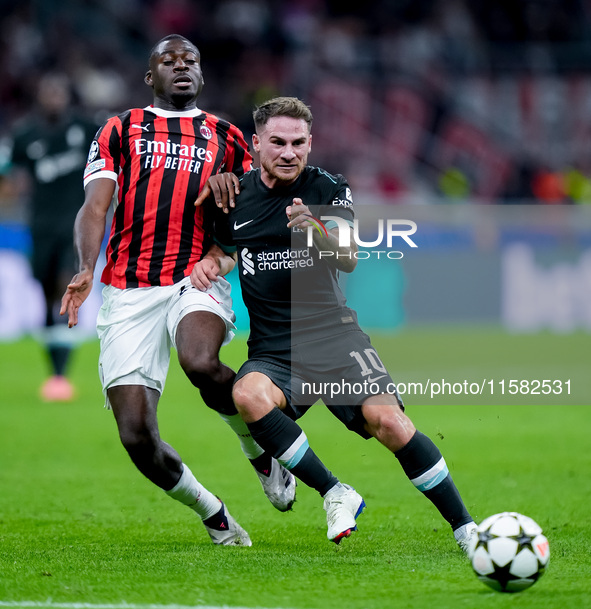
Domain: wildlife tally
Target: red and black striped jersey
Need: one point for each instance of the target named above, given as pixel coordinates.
(161, 160)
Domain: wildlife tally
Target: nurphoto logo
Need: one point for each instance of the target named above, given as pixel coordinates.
(387, 232)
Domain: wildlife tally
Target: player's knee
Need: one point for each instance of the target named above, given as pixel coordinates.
(388, 424)
(137, 438)
(200, 368)
(245, 396)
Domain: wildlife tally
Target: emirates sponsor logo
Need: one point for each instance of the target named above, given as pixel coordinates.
(172, 155)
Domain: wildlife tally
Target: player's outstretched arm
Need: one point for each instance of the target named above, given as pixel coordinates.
(89, 230)
(216, 263)
(224, 187)
(341, 257)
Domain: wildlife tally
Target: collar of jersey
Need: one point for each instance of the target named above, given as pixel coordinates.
(173, 113)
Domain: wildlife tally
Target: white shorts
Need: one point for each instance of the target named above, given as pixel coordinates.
(137, 328)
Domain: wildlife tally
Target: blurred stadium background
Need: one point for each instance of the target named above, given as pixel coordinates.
(472, 118)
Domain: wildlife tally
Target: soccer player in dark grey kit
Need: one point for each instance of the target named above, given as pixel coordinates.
(302, 331)
(51, 146)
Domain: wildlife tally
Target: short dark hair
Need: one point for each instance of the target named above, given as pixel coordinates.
(281, 106)
(166, 39)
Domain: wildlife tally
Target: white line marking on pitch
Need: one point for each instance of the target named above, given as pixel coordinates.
(53, 605)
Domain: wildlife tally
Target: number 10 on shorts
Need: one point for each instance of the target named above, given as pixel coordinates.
(370, 363)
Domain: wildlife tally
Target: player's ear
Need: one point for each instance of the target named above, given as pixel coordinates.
(310, 142)
(256, 143)
(148, 78)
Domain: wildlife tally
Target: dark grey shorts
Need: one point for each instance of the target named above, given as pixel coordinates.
(342, 371)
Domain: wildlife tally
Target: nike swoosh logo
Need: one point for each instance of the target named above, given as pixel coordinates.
(140, 127)
(237, 226)
(376, 378)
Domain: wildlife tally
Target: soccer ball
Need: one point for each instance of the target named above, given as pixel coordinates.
(509, 552)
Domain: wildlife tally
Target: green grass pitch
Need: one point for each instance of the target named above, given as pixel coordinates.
(78, 524)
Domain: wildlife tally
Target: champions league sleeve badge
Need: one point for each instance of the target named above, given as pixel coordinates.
(94, 149)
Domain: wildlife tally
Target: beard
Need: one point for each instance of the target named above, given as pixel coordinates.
(281, 178)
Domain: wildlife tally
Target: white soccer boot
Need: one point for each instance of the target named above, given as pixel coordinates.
(342, 505)
(227, 532)
(464, 537)
(279, 486)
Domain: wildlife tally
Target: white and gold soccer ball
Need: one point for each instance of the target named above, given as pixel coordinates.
(509, 553)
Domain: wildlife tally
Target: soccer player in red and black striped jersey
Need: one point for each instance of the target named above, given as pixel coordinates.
(158, 158)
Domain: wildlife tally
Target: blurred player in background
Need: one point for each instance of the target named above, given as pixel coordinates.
(159, 157)
(51, 147)
(303, 332)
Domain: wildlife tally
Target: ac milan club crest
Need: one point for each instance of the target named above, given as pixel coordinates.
(205, 131)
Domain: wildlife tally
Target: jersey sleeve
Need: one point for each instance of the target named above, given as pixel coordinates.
(238, 158)
(105, 152)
